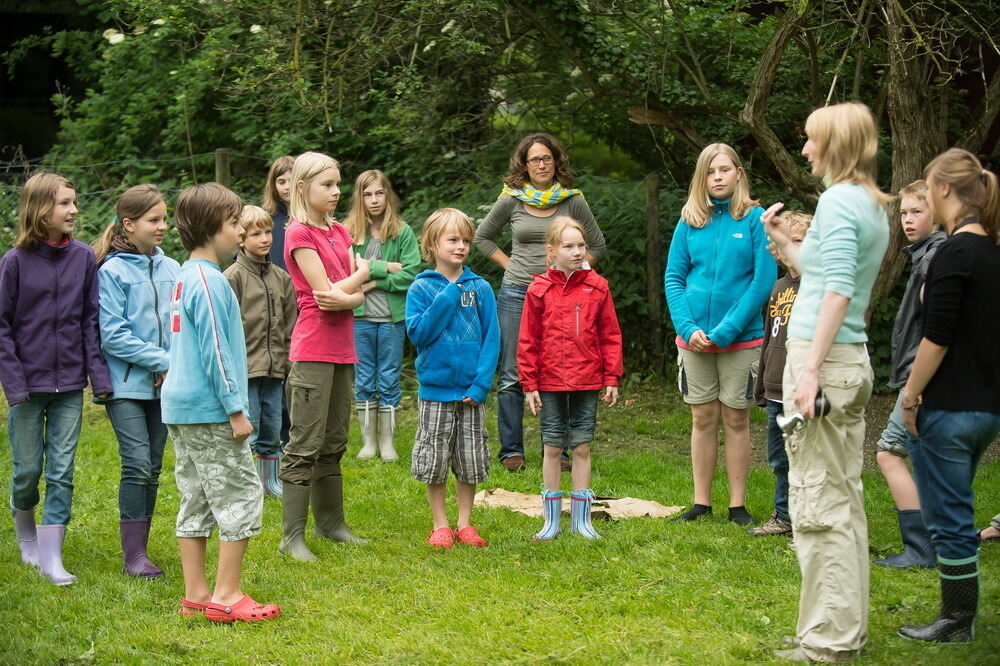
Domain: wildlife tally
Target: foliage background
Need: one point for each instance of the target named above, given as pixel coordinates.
(436, 94)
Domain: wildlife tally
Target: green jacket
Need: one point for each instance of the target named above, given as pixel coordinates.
(403, 249)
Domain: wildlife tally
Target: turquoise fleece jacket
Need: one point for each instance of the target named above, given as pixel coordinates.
(208, 357)
(455, 329)
(718, 277)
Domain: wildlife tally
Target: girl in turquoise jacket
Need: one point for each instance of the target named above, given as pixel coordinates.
(135, 280)
(719, 275)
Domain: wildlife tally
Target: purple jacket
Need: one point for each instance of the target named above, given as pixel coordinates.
(49, 335)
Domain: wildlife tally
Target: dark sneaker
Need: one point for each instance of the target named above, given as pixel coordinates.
(773, 527)
(740, 516)
(513, 463)
(566, 464)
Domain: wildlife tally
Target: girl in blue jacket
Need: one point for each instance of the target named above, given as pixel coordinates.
(135, 279)
(719, 275)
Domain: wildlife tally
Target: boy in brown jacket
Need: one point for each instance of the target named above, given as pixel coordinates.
(767, 389)
(267, 304)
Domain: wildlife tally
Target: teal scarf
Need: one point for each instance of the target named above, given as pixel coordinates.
(543, 199)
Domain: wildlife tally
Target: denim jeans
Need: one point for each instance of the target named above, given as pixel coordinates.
(510, 412)
(141, 439)
(264, 396)
(379, 346)
(945, 456)
(45, 430)
(895, 436)
(777, 458)
(569, 418)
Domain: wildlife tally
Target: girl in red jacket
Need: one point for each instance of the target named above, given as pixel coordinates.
(570, 346)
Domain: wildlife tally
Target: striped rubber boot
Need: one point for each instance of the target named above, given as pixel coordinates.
(551, 511)
(579, 511)
(959, 602)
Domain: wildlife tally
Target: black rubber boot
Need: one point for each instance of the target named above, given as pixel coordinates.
(918, 551)
(959, 600)
(328, 510)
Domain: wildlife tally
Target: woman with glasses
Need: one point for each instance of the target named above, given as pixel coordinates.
(537, 189)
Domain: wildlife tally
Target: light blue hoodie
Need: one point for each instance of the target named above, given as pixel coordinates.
(718, 277)
(455, 329)
(208, 357)
(135, 320)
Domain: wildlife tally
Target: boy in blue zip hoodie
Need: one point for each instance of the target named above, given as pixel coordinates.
(205, 403)
(451, 317)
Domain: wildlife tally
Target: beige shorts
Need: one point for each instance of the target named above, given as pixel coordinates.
(724, 376)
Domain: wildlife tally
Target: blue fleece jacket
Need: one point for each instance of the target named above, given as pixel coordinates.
(208, 357)
(455, 329)
(718, 277)
(135, 320)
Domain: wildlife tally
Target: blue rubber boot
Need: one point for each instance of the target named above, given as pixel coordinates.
(579, 512)
(551, 511)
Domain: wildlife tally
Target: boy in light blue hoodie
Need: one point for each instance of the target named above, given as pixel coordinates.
(451, 317)
(205, 404)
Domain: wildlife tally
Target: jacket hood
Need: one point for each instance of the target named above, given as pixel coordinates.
(140, 260)
(921, 247)
(431, 274)
(243, 259)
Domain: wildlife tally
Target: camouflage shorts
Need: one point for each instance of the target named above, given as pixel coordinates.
(217, 482)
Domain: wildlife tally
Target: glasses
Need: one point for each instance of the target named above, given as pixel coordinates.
(539, 161)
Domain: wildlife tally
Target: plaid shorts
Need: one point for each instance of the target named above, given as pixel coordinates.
(450, 433)
(217, 482)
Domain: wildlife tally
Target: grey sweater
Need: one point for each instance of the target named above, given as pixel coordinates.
(527, 255)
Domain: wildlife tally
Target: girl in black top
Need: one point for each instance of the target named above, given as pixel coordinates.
(951, 402)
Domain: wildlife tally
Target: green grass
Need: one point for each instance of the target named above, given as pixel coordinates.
(649, 593)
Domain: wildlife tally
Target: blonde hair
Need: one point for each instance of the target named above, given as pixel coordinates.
(134, 202)
(553, 235)
(305, 168)
(847, 145)
(973, 185)
(440, 221)
(269, 201)
(796, 220)
(254, 217)
(38, 199)
(917, 189)
(201, 210)
(697, 209)
(358, 220)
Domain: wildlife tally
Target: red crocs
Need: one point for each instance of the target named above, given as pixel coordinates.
(191, 608)
(244, 610)
(470, 537)
(441, 538)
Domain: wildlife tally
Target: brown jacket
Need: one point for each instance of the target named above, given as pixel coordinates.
(267, 303)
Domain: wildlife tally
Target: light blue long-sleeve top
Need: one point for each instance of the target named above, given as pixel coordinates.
(842, 253)
(208, 357)
(718, 277)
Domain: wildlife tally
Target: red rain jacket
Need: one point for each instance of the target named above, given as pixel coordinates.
(570, 339)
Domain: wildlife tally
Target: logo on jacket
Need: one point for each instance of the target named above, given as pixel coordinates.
(468, 299)
(175, 309)
(737, 235)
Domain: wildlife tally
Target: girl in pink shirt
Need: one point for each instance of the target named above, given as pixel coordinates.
(327, 281)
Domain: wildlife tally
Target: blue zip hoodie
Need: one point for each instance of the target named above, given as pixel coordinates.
(135, 320)
(208, 357)
(455, 329)
(718, 277)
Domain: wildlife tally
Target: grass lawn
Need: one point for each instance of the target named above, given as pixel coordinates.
(650, 592)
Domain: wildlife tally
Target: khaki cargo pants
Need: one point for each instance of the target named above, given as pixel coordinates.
(826, 503)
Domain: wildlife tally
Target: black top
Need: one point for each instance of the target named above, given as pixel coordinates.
(962, 312)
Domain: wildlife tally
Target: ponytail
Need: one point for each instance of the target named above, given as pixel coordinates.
(103, 245)
(975, 187)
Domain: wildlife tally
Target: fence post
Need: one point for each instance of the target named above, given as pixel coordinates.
(654, 270)
(222, 166)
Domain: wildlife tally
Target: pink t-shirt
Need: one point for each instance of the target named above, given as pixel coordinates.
(320, 335)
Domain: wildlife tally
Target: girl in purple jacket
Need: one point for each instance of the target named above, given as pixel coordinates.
(49, 345)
